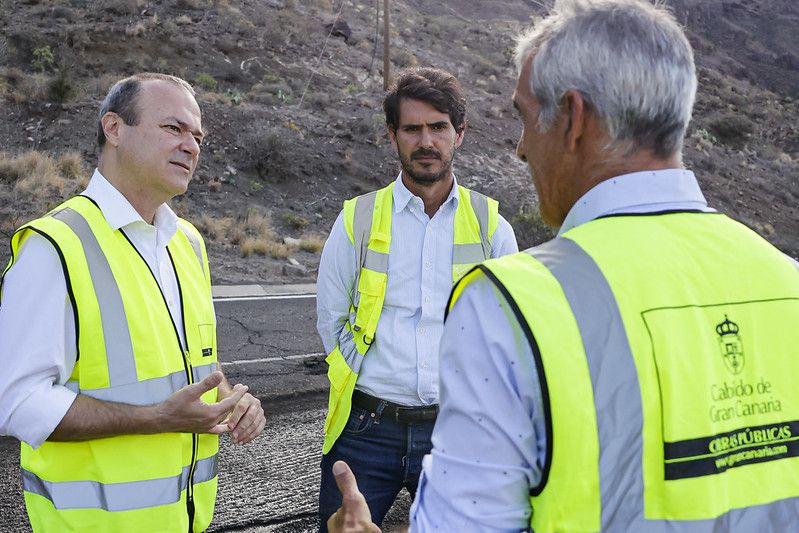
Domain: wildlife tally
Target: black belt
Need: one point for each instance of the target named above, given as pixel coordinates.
(395, 411)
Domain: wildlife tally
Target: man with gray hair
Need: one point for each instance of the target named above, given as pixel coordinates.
(107, 335)
(640, 372)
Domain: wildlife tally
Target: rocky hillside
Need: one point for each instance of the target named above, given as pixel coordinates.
(291, 93)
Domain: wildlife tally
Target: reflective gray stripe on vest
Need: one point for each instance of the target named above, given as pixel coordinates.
(617, 402)
(361, 228)
(118, 496)
(468, 254)
(348, 349)
(613, 376)
(148, 391)
(116, 336)
(195, 244)
(201, 372)
(480, 207)
(376, 261)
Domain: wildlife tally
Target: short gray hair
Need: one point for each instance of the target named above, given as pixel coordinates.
(121, 99)
(629, 59)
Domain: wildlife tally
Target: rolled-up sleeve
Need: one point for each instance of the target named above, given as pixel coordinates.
(334, 284)
(37, 344)
(489, 438)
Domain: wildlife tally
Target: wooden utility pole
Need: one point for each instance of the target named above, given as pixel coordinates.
(386, 47)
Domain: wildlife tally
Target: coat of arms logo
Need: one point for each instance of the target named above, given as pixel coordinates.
(732, 349)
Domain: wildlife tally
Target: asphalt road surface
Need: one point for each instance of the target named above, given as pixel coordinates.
(267, 340)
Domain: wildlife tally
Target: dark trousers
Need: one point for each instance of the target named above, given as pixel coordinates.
(384, 455)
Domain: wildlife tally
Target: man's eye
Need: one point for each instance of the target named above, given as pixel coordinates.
(172, 128)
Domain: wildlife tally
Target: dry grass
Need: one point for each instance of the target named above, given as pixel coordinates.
(252, 245)
(312, 243)
(253, 235)
(70, 166)
(38, 174)
(33, 183)
(260, 246)
(259, 225)
(213, 228)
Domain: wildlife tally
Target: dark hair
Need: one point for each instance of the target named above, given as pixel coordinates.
(121, 99)
(434, 86)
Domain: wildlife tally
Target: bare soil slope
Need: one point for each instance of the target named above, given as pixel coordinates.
(294, 110)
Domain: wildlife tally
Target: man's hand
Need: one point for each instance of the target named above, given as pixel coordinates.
(185, 412)
(247, 420)
(353, 516)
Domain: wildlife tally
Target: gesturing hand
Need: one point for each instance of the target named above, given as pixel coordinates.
(185, 412)
(353, 516)
(247, 420)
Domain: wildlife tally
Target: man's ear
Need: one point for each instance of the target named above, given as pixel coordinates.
(459, 138)
(576, 114)
(112, 123)
(392, 135)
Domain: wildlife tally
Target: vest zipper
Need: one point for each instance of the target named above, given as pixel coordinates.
(187, 364)
(185, 355)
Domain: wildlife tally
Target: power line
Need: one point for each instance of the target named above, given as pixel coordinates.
(319, 59)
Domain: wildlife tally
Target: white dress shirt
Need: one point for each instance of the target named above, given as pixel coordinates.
(37, 326)
(402, 364)
(489, 439)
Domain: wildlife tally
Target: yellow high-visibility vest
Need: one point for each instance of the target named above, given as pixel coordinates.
(367, 220)
(666, 347)
(128, 351)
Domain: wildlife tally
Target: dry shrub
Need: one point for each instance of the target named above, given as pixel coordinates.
(236, 235)
(278, 250)
(136, 29)
(253, 235)
(312, 243)
(70, 166)
(252, 245)
(732, 129)
(404, 58)
(214, 228)
(259, 225)
(38, 174)
(269, 151)
(99, 85)
(30, 88)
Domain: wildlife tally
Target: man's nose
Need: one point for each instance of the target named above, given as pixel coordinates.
(191, 146)
(520, 149)
(426, 139)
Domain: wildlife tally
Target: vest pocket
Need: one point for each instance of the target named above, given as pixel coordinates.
(206, 339)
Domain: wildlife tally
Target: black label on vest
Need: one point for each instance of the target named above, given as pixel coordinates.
(717, 453)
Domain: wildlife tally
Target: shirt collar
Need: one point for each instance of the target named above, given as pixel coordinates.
(638, 192)
(118, 211)
(402, 196)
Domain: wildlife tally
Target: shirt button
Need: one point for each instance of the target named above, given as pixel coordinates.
(428, 265)
(421, 331)
(427, 299)
(424, 364)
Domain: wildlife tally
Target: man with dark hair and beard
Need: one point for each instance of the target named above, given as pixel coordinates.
(384, 279)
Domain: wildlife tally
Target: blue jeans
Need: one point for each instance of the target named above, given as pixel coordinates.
(383, 454)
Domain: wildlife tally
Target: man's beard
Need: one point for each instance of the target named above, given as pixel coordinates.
(426, 178)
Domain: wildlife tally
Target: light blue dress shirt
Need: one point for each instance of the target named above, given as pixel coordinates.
(489, 439)
(402, 364)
